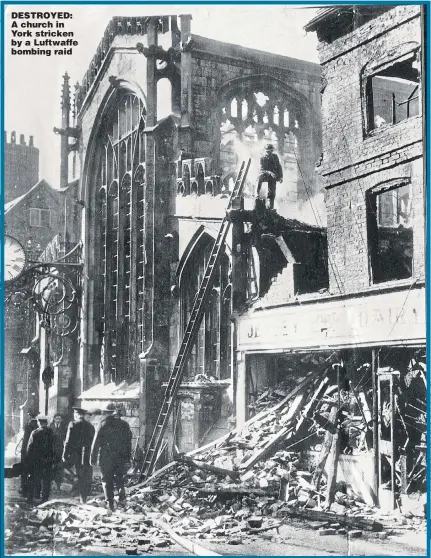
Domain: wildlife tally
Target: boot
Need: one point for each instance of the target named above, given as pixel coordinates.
(122, 494)
(108, 497)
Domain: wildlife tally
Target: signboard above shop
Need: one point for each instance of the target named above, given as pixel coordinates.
(389, 318)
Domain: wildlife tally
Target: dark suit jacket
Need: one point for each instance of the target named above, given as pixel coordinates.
(28, 429)
(40, 449)
(77, 445)
(59, 437)
(271, 163)
(113, 441)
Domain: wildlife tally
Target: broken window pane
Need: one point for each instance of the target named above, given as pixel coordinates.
(390, 235)
(393, 93)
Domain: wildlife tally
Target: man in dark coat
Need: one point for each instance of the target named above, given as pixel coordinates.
(77, 451)
(59, 431)
(28, 429)
(271, 172)
(113, 447)
(39, 459)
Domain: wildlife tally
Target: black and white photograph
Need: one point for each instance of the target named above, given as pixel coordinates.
(215, 279)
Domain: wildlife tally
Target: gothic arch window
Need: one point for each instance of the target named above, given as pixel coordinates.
(121, 256)
(252, 116)
(211, 353)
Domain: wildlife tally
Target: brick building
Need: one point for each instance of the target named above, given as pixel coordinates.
(372, 318)
(21, 163)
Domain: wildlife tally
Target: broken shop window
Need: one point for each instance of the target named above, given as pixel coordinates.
(392, 92)
(390, 232)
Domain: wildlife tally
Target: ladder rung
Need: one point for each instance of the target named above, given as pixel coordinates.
(191, 329)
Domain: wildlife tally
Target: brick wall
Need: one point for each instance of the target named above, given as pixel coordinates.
(17, 220)
(354, 160)
(21, 164)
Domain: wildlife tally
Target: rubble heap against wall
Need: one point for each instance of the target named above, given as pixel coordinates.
(244, 485)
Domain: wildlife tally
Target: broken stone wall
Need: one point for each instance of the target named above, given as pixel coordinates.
(225, 72)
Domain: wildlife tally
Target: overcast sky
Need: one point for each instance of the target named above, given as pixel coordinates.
(33, 83)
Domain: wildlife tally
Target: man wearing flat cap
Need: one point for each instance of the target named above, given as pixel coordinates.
(77, 448)
(271, 172)
(39, 459)
(112, 445)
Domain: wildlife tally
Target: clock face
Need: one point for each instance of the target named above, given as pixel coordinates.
(14, 258)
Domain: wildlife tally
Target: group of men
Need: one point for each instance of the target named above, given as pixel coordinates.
(47, 450)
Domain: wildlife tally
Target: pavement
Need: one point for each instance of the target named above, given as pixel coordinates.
(292, 538)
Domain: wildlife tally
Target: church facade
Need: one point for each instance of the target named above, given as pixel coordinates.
(164, 119)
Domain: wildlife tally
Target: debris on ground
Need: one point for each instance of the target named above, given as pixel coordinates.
(243, 486)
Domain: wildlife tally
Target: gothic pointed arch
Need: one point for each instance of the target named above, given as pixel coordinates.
(262, 109)
(210, 354)
(115, 194)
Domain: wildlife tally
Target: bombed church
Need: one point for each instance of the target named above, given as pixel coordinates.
(244, 275)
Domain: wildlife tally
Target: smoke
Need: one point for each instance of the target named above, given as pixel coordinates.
(312, 210)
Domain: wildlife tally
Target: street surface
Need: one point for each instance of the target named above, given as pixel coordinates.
(293, 538)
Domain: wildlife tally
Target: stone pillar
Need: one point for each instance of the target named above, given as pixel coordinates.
(239, 258)
(65, 120)
(144, 370)
(185, 134)
(151, 56)
(241, 391)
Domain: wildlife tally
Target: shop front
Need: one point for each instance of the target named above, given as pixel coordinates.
(373, 350)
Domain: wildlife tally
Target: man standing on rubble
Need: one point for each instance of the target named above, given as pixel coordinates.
(39, 459)
(271, 172)
(77, 451)
(112, 446)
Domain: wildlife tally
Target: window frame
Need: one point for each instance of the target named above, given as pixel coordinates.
(39, 211)
(402, 53)
(372, 228)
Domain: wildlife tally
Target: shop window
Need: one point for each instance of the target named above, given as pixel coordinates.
(392, 92)
(40, 217)
(390, 233)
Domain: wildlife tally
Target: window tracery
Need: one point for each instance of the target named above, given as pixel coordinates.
(122, 219)
(252, 118)
(210, 354)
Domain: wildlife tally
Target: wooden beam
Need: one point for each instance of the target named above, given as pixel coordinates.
(206, 466)
(315, 515)
(326, 448)
(260, 454)
(334, 456)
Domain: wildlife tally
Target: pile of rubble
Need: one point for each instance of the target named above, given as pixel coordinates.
(243, 485)
(58, 527)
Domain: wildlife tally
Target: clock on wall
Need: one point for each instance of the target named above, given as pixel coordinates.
(14, 258)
